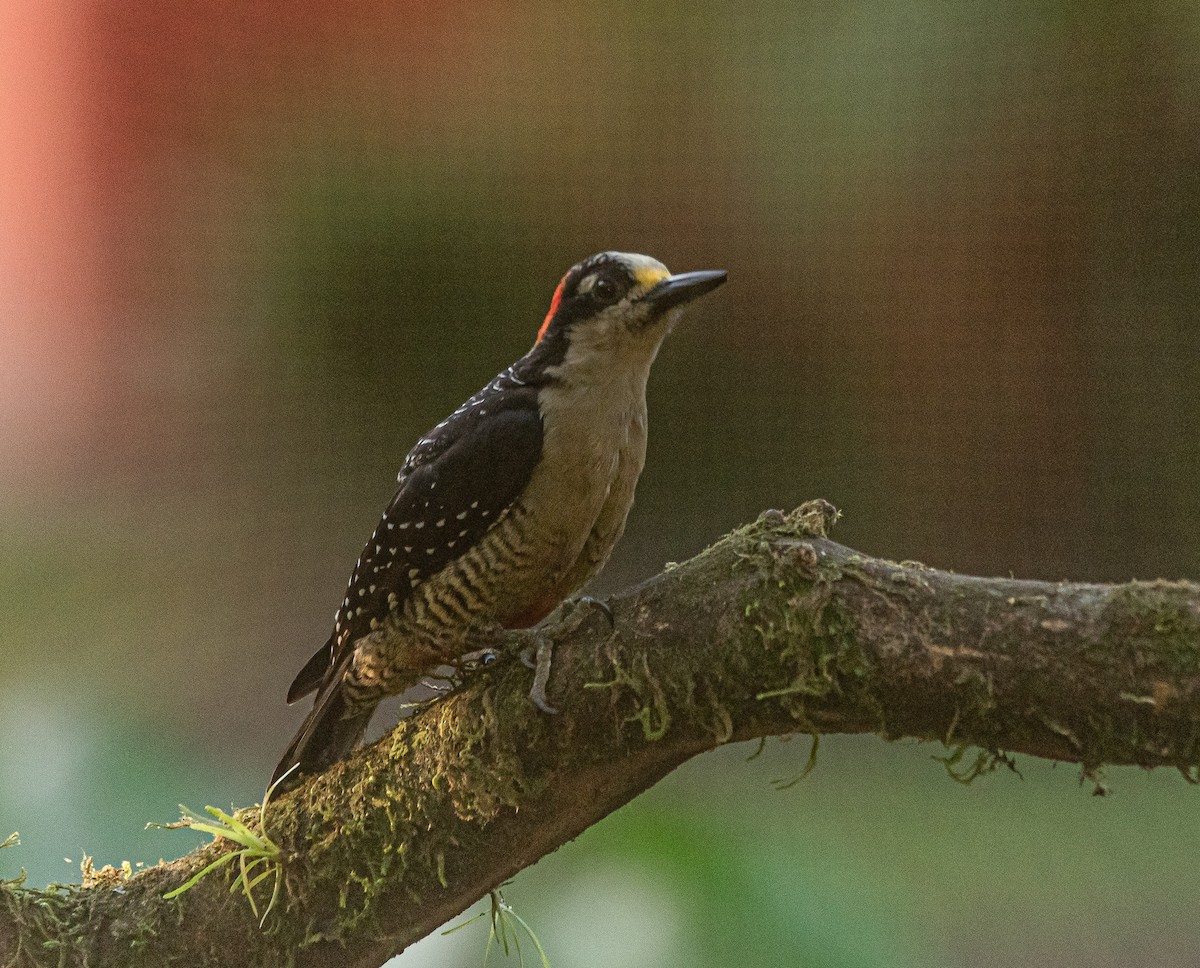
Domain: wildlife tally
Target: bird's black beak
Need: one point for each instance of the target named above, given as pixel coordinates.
(677, 290)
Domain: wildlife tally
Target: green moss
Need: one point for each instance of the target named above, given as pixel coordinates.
(809, 637)
(966, 771)
(806, 633)
(651, 708)
(472, 767)
(44, 922)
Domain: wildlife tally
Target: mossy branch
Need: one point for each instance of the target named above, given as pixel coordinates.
(773, 630)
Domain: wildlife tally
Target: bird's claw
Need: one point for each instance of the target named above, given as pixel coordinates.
(540, 656)
(480, 657)
(541, 677)
(594, 603)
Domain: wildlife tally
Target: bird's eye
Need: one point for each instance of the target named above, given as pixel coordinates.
(605, 291)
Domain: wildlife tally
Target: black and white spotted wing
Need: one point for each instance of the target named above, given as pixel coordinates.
(455, 483)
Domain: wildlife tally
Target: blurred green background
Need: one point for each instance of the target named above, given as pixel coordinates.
(250, 252)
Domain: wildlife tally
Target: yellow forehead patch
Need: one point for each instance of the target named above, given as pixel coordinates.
(650, 276)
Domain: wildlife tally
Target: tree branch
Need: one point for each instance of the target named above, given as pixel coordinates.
(773, 630)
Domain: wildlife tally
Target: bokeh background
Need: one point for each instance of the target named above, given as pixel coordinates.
(249, 252)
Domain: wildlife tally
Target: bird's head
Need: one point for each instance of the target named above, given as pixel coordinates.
(618, 304)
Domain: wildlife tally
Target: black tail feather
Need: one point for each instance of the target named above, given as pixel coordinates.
(313, 674)
(328, 734)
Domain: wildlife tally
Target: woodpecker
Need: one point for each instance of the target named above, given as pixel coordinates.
(506, 507)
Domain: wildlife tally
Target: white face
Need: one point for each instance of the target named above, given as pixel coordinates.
(629, 322)
(611, 312)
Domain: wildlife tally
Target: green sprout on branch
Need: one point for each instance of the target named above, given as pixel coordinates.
(254, 849)
(503, 929)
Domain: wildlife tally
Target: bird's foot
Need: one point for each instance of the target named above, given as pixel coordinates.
(540, 655)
